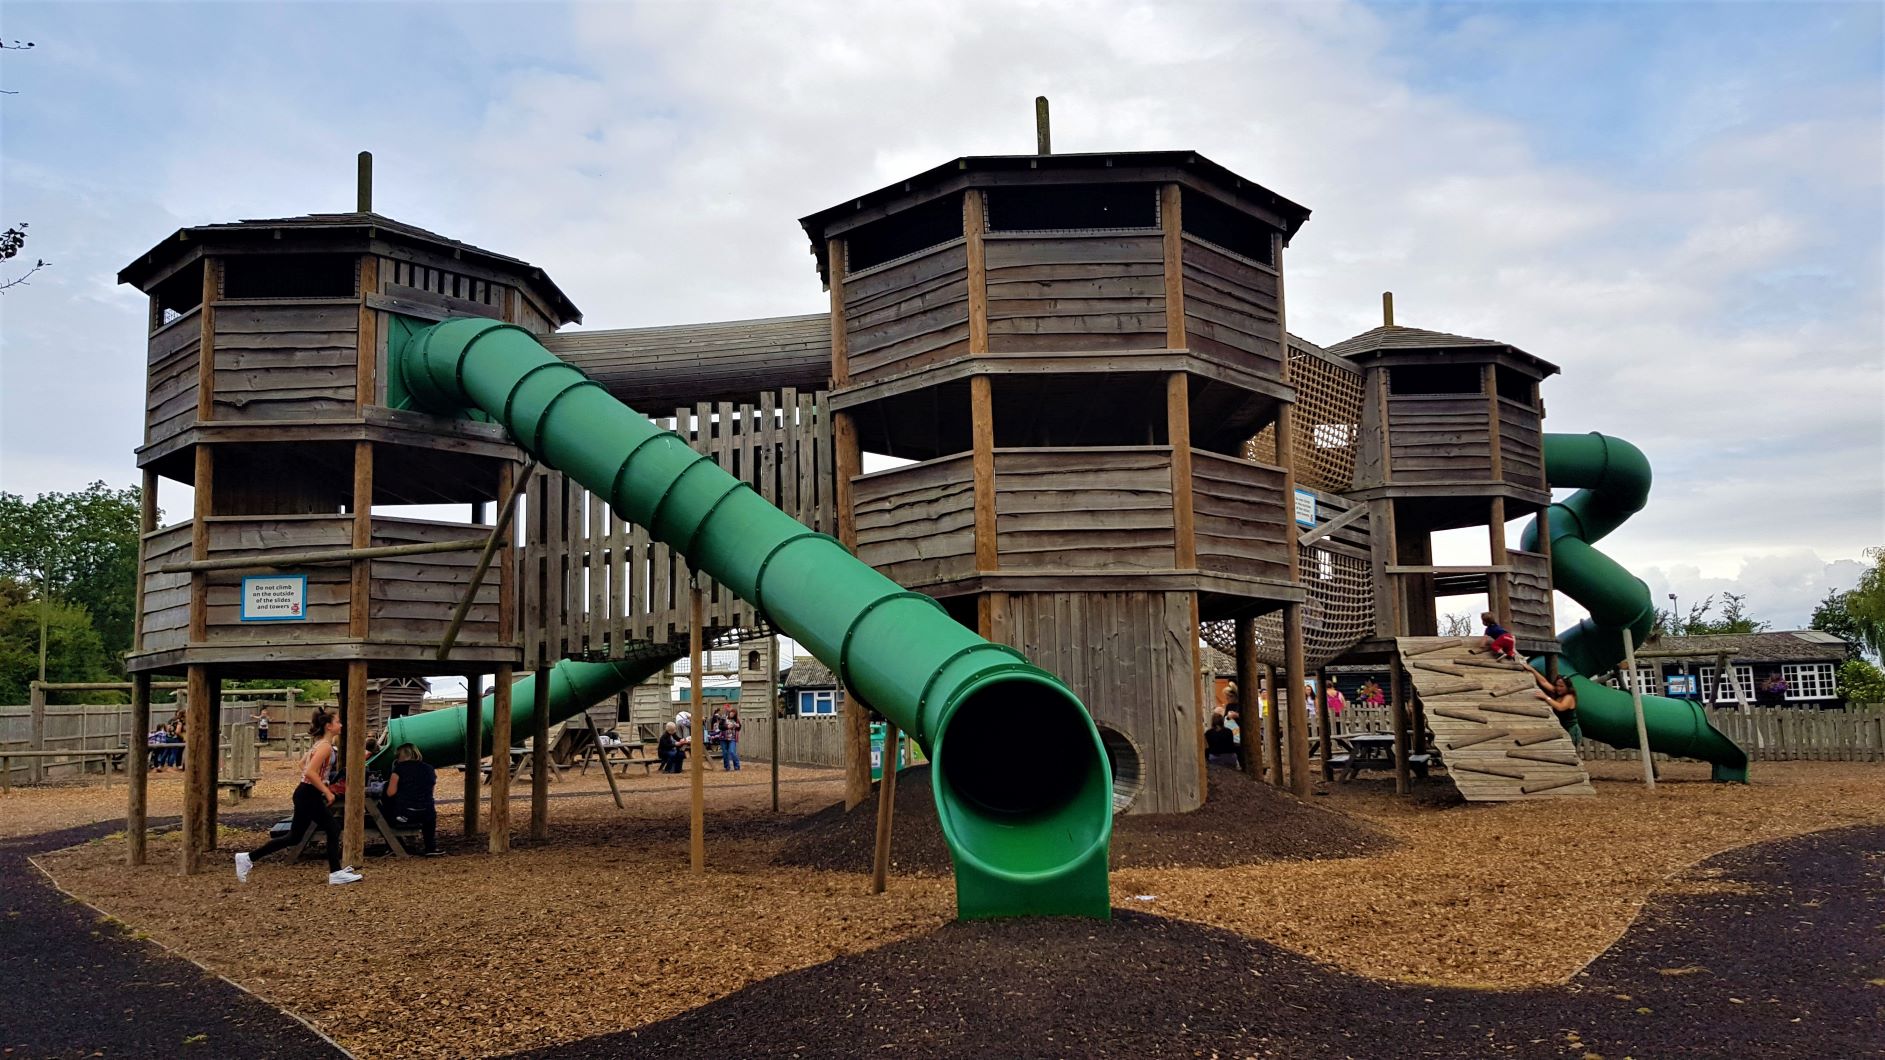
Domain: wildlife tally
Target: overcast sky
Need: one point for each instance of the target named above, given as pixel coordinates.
(1683, 205)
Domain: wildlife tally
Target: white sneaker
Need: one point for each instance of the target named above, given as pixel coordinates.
(346, 875)
(243, 864)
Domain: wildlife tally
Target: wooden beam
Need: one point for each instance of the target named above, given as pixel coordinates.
(137, 771)
(1171, 202)
(499, 540)
(366, 383)
(1201, 707)
(1500, 588)
(974, 227)
(199, 781)
(848, 459)
(539, 756)
(353, 841)
(1296, 676)
(206, 346)
(474, 751)
(510, 482)
(1043, 129)
(886, 809)
(1636, 702)
(1273, 729)
(313, 557)
(201, 505)
(1317, 533)
(36, 711)
(360, 599)
(697, 746)
(840, 353)
(1249, 686)
(212, 753)
(499, 821)
(608, 774)
(1178, 433)
(1397, 706)
(982, 426)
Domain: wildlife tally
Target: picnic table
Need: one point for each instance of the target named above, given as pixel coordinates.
(1374, 750)
(375, 820)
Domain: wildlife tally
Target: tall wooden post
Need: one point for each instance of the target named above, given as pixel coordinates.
(1636, 701)
(1296, 677)
(1397, 705)
(1249, 689)
(1500, 589)
(697, 745)
(539, 755)
(137, 770)
(848, 459)
(499, 824)
(353, 836)
(886, 809)
(1272, 728)
(199, 781)
(36, 707)
(213, 736)
(474, 751)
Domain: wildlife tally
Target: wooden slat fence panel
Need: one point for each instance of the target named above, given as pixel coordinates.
(903, 316)
(916, 523)
(1231, 309)
(1240, 516)
(1084, 509)
(1067, 291)
(1439, 438)
(1781, 734)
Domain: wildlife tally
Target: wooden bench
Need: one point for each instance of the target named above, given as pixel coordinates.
(238, 789)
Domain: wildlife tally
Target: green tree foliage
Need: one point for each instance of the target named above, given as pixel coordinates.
(1830, 615)
(1861, 682)
(312, 690)
(73, 649)
(1866, 604)
(1699, 623)
(82, 547)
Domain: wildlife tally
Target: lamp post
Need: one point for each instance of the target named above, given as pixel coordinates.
(1675, 616)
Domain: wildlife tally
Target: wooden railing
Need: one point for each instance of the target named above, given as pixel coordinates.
(1241, 516)
(1775, 734)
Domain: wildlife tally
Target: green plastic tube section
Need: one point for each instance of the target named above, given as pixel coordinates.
(1612, 478)
(574, 687)
(1021, 780)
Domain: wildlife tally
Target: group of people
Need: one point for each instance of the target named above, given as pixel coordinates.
(407, 801)
(723, 734)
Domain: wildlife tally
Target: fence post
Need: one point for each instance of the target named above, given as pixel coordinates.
(37, 698)
(1636, 700)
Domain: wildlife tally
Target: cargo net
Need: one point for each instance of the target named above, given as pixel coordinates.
(1338, 614)
(1327, 422)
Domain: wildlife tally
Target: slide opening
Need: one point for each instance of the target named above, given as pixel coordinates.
(1128, 768)
(1015, 749)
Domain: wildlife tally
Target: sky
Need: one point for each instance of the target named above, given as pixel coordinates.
(1681, 205)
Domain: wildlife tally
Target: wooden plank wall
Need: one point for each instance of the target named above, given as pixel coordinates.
(595, 586)
(905, 315)
(329, 587)
(916, 523)
(286, 359)
(411, 598)
(1088, 508)
(802, 741)
(1231, 309)
(1520, 453)
(1531, 596)
(1075, 291)
(170, 396)
(1784, 734)
(1128, 656)
(1242, 517)
(1439, 438)
(166, 596)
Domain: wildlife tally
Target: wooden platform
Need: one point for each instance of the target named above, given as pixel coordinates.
(1499, 741)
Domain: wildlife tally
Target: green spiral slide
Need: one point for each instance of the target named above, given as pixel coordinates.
(1613, 479)
(1028, 837)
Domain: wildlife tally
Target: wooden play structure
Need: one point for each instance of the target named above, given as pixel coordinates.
(1054, 393)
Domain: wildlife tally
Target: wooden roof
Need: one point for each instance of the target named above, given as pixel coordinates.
(366, 226)
(658, 369)
(1393, 339)
(1185, 167)
(1785, 646)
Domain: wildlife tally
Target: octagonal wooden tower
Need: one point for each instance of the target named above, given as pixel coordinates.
(1071, 351)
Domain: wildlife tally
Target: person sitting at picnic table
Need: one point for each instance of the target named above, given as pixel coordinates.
(173, 743)
(1220, 747)
(159, 753)
(1498, 639)
(669, 749)
(408, 799)
(1562, 698)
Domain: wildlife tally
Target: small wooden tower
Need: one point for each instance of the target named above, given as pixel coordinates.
(1451, 433)
(1065, 355)
(268, 393)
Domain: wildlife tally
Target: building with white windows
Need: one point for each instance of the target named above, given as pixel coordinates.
(1793, 668)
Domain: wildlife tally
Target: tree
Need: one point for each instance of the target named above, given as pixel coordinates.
(81, 548)
(311, 690)
(1866, 604)
(74, 651)
(1456, 625)
(1861, 682)
(1734, 618)
(1831, 615)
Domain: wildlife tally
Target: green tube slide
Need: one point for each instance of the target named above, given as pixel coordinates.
(1613, 479)
(1028, 836)
(440, 734)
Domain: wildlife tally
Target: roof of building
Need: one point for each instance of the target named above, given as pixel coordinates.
(1392, 338)
(1782, 646)
(183, 240)
(807, 672)
(657, 369)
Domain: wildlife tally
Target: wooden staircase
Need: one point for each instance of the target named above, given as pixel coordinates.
(1498, 740)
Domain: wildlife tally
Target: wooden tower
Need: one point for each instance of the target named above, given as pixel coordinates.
(268, 393)
(1063, 356)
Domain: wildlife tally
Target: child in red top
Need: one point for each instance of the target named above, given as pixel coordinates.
(1498, 639)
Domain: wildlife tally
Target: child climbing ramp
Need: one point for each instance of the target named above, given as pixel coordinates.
(1499, 742)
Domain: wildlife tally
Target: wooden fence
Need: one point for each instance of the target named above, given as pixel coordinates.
(1778, 734)
(97, 727)
(802, 741)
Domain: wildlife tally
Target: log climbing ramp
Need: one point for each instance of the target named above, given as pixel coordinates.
(1498, 740)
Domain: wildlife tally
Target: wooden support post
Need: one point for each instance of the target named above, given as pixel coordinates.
(1171, 221)
(539, 754)
(360, 596)
(1296, 676)
(353, 827)
(608, 774)
(199, 781)
(474, 751)
(363, 190)
(1249, 690)
(1272, 728)
(1500, 582)
(886, 809)
(697, 745)
(848, 459)
(137, 771)
(1636, 701)
(982, 428)
(772, 737)
(1043, 133)
(498, 823)
(36, 699)
(1328, 723)
(1397, 705)
(213, 735)
(1178, 433)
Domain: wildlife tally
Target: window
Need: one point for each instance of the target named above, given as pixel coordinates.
(1649, 679)
(290, 276)
(902, 234)
(1808, 680)
(752, 660)
(1227, 228)
(1435, 379)
(815, 704)
(1512, 385)
(1743, 676)
(176, 295)
(1073, 207)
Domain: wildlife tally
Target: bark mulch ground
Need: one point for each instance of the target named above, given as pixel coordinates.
(1241, 823)
(73, 983)
(1785, 960)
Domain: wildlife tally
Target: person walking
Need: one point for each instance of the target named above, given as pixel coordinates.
(313, 802)
(730, 740)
